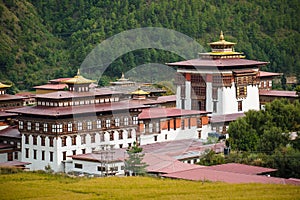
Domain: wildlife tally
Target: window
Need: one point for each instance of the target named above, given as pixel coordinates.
(10, 156)
(37, 126)
(79, 126)
(120, 135)
(129, 144)
(59, 128)
(157, 127)
(199, 134)
(135, 120)
(51, 156)
(64, 155)
(34, 154)
(111, 136)
(50, 141)
(34, 139)
(43, 155)
(121, 146)
(78, 166)
(215, 106)
(93, 137)
(155, 138)
(42, 140)
(83, 151)
(189, 123)
(117, 122)
(45, 127)
(126, 122)
(102, 137)
(26, 153)
(16, 157)
(166, 137)
(101, 169)
(26, 139)
(21, 124)
(28, 126)
(54, 128)
(98, 123)
(64, 141)
(240, 106)
(70, 128)
(89, 125)
(83, 139)
(74, 140)
(74, 152)
(168, 122)
(129, 134)
(150, 127)
(182, 124)
(107, 123)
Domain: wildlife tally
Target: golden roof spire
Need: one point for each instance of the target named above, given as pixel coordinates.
(78, 72)
(221, 36)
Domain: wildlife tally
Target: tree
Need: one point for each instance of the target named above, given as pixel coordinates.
(134, 164)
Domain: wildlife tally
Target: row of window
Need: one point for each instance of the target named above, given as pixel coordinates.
(77, 102)
(41, 156)
(89, 125)
(73, 138)
(101, 168)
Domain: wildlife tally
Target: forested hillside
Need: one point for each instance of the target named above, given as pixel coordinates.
(50, 38)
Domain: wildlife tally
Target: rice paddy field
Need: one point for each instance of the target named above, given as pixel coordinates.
(30, 185)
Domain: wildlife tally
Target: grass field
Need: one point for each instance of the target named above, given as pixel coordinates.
(44, 186)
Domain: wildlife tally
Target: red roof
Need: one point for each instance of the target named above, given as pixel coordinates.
(241, 168)
(5, 114)
(206, 174)
(11, 132)
(217, 63)
(7, 97)
(69, 94)
(167, 98)
(278, 93)
(164, 164)
(267, 74)
(72, 110)
(51, 86)
(14, 164)
(226, 118)
(152, 113)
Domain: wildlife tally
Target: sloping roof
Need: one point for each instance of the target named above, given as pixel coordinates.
(8, 97)
(139, 91)
(267, 74)
(14, 164)
(78, 79)
(206, 174)
(217, 63)
(70, 94)
(166, 98)
(241, 168)
(152, 113)
(11, 132)
(165, 164)
(51, 86)
(278, 93)
(226, 117)
(74, 110)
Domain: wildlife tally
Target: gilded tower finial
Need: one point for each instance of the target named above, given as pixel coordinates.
(221, 36)
(78, 72)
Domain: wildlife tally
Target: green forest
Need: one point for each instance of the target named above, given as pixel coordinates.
(46, 39)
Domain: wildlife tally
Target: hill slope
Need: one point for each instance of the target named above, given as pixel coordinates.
(53, 35)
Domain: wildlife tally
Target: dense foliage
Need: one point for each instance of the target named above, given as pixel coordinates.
(47, 39)
(134, 164)
(265, 135)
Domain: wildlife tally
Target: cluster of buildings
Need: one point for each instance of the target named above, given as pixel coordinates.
(74, 126)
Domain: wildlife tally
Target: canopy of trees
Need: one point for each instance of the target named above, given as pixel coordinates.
(263, 137)
(47, 39)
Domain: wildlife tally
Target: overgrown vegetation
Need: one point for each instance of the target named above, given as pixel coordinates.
(29, 185)
(263, 138)
(41, 40)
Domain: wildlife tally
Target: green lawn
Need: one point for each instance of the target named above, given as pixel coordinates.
(43, 186)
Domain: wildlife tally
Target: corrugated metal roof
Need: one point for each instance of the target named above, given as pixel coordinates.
(152, 113)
